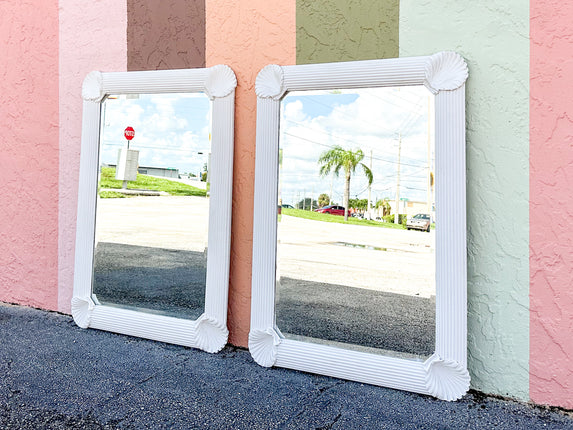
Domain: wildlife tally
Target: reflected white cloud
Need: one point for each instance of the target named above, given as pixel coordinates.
(377, 121)
(170, 129)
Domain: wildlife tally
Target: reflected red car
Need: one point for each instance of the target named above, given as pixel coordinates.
(331, 209)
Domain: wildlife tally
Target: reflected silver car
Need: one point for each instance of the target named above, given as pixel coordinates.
(419, 222)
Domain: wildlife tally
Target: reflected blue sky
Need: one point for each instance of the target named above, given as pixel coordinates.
(170, 129)
(380, 121)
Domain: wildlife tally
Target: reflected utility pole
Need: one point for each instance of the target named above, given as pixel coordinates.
(311, 202)
(429, 185)
(331, 183)
(397, 211)
(370, 190)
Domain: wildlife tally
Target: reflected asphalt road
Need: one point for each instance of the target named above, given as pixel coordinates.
(360, 285)
(169, 222)
(377, 296)
(168, 281)
(395, 323)
(382, 259)
(150, 253)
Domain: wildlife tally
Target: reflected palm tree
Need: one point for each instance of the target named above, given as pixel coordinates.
(339, 158)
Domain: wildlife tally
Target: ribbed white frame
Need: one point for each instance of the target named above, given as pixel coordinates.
(209, 332)
(444, 374)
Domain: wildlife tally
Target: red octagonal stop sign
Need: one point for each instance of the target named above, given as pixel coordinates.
(129, 133)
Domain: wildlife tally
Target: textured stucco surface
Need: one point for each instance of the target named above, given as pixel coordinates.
(494, 40)
(551, 210)
(246, 36)
(167, 34)
(99, 43)
(29, 152)
(346, 30)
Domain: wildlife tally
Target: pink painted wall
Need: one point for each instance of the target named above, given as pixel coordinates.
(246, 36)
(551, 203)
(29, 152)
(93, 36)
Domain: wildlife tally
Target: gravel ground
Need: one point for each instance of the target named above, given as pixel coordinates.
(54, 375)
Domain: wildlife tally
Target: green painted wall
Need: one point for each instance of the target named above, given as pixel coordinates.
(494, 40)
(345, 30)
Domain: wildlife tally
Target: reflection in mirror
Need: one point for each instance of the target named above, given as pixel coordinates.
(366, 283)
(153, 206)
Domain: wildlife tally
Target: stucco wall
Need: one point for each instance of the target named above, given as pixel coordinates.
(48, 48)
(165, 34)
(551, 176)
(345, 30)
(99, 43)
(29, 148)
(494, 42)
(246, 36)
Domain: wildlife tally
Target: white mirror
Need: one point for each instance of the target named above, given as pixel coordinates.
(154, 206)
(362, 275)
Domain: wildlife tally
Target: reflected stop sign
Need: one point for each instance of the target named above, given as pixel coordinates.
(129, 133)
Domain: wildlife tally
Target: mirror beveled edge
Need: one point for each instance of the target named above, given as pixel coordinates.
(444, 374)
(208, 332)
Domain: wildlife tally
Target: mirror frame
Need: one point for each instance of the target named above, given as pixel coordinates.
(444, 374)
(208, 332)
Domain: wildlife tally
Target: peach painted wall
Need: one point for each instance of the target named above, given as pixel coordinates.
(93, 36)
(29, 148)
(246, 36)
(551, 203)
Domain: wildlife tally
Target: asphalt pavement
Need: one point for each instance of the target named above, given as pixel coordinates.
(54, 375)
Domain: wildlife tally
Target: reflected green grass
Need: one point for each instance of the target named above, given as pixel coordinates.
(112, 195)
(338, 219)
(145, 182)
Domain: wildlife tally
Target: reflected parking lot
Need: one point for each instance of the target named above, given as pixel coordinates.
(151, 254)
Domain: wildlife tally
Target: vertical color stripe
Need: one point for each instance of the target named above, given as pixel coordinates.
(29, 148)
(99, 43)
(166, 34)
(346, 30)
(494, 41)
(551, 176)
(246, 36)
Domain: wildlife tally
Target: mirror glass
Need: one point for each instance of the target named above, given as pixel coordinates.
(356, 220)
(153, 203)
